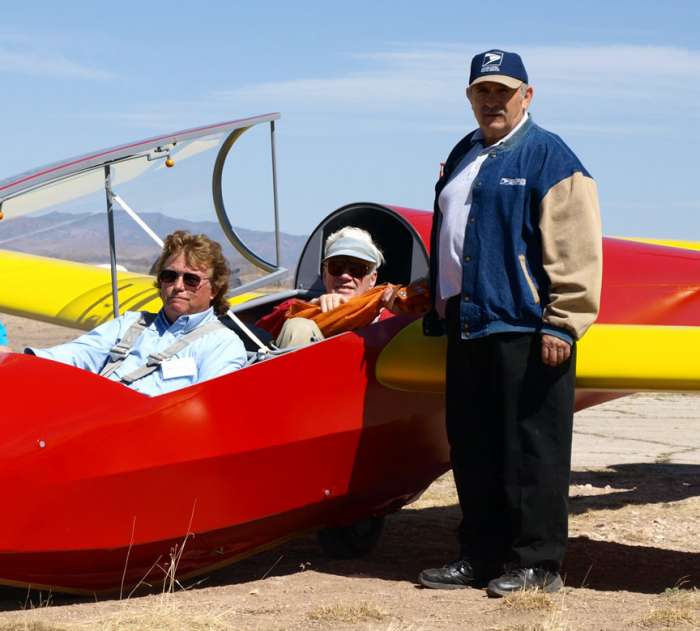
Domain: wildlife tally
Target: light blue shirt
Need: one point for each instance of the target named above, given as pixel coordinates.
(218, 352)
(3, 335)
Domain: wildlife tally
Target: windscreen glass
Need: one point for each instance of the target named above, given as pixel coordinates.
(169, 188)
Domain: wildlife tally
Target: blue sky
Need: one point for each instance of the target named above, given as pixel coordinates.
(371, 93)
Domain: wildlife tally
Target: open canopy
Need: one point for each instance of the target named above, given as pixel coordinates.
(113, 174)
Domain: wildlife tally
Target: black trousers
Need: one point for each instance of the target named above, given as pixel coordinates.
(509, 424)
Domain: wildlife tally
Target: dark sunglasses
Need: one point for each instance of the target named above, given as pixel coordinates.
(356, 269)
(190, 280)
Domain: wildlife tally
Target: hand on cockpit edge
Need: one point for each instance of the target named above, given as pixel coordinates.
(388, 297)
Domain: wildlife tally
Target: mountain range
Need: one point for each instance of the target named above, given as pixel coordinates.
(84, 238)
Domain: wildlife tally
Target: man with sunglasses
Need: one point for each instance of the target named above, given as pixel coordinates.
(181, 345)
(350, 263)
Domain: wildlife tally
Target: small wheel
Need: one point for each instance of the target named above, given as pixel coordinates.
(351, 542)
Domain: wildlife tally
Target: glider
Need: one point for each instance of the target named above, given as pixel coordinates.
(110, 488)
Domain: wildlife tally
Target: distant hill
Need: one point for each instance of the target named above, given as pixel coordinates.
(84, 238)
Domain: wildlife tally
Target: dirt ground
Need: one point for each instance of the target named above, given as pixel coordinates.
(633, 559)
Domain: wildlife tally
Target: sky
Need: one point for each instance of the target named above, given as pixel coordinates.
(371, 93)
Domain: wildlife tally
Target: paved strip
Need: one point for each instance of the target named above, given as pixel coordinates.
(646, 427)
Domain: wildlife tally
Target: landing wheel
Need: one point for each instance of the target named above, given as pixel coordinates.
(351, 542)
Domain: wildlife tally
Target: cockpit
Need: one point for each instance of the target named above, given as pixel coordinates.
(406, 258)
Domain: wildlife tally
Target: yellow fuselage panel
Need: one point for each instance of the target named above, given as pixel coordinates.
(639, 357)
(671, 243)
(610, 357)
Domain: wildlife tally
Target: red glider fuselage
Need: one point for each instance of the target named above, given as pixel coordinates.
(104, 483)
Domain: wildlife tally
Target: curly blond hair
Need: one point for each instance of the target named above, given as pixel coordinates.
(200, 251)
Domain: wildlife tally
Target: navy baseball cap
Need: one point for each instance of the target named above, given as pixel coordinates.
(498, 66)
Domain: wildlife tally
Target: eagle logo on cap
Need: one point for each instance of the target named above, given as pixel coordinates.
(492, 59)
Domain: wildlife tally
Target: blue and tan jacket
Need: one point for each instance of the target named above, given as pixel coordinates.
(532, 258)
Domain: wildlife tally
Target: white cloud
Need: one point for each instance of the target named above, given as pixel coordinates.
(614, 90)
(48, 65)
(435, 76)
(637, 63)
(371, 90)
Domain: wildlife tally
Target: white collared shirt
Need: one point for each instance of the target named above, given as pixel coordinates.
(455, 203)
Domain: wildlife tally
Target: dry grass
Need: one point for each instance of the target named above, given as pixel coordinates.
(160, 622)
(667, 618)
(30, 626)
(549, 611)
(347, 613)
(396, 625)
(535, 600)
(43, 600)
(149, 615)
(679, 608)
(262, 611)
(164, 612)
(552, 624)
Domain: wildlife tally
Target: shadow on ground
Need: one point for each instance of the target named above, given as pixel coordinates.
(416, 538)
(638, 484)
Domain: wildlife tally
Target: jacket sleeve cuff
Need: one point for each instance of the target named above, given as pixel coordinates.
(561, 334)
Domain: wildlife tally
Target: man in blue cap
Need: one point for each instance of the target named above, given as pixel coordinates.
(516, 269)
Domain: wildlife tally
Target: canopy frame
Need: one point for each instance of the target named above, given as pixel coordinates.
(156, 148)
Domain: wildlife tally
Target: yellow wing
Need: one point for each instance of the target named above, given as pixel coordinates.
(620, 357)
(72, 294)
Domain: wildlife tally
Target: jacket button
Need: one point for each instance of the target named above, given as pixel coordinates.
(472, 220)
(466, 299)
(465, 327)
(467, 259)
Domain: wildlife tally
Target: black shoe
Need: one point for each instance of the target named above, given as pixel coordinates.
(455, 575)
(525, 579)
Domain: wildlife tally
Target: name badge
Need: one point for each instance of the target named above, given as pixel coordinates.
(179, 367)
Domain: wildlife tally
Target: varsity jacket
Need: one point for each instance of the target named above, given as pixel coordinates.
(532, 256)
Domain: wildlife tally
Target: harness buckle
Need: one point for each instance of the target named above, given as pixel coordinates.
(119, 351)
(156, 359)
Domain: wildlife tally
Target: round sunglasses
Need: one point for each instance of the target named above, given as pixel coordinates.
(356, 269)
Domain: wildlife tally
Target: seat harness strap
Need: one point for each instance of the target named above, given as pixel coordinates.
(123, 347)
(120, 351)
